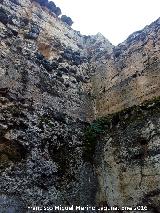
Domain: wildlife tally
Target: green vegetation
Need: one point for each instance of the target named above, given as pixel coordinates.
(92, 134)
(45, 120)
(121, 119)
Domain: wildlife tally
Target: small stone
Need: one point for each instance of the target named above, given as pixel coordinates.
(73, 80)
(60, 59)
(72, 70)
(117, 52)
(3, 54)
(39, 56)
(46, 64)
(15, 2)
(58, 11)
(54, 64)
(67, 54)
(33, 33)
(52, 7)
(24, 21)
(67, 20)
(13, 20)
(59, 73)
(42, 2)
(67, 84)
(4, 18)
(60, 79)
(3, 127)
(3, 91)
(14, 32)
(76, 60)
(79, 78)
(2, 72)
(59, 116)
(63, 69)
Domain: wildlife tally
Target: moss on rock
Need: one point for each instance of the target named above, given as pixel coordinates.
(100, 126)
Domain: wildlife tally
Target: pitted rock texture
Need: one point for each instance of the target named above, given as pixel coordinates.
(127, 158)
(130, 75)
(45, 104)
(51, 84)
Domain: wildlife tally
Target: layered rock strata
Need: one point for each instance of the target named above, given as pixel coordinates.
(130, 75)
(54, 83)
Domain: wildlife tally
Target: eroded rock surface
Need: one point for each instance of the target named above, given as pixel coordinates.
(53, 83)
(127, 158)
(45, 105)
(130, 75)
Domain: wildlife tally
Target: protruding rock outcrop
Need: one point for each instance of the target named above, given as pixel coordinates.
(130, 75)
(53, 83)
(50, 5)
(67, 20)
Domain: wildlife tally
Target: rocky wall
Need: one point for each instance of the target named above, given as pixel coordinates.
(53, 83)
(130, 74)
(127, 158)
(44, 107)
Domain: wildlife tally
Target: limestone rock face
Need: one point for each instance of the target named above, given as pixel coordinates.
(53, 83)
(127, 159)
(44, 108)
(130, 75)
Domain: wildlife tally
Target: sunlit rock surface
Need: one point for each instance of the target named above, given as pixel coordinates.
(130, 75)
(54, 82)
